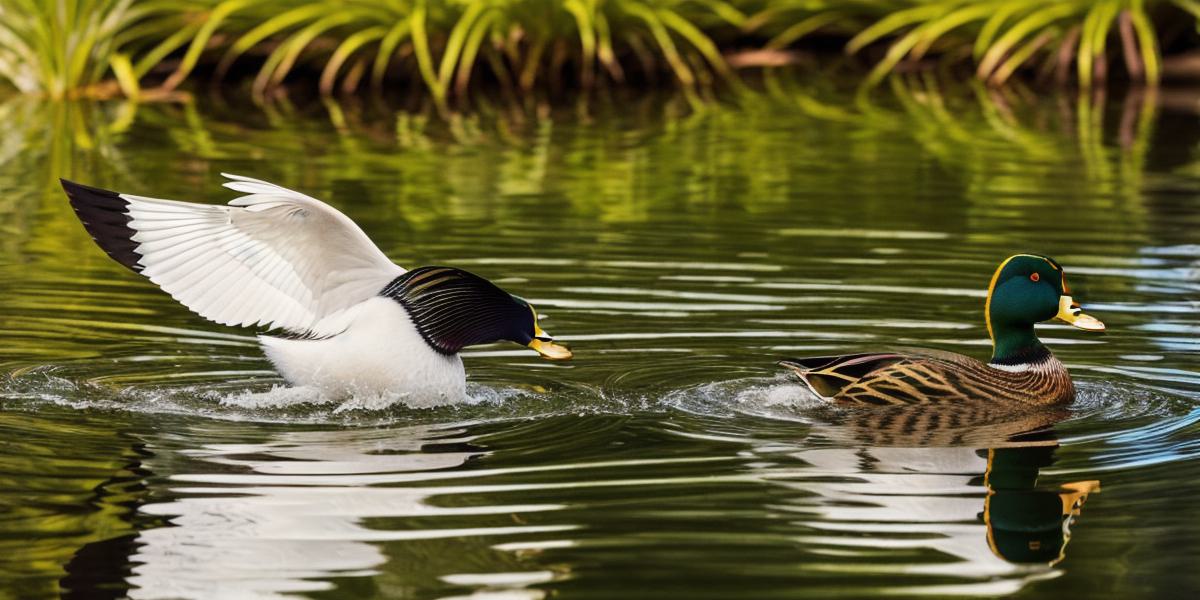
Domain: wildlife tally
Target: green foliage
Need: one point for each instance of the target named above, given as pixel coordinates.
(66, 48)
(520, 43)
(1003, 35)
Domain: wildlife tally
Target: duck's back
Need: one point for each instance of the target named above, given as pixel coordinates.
(921, 376)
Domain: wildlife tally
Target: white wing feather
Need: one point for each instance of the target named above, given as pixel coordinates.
(273, 257)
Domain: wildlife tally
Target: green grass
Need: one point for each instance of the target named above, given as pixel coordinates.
(144, 48)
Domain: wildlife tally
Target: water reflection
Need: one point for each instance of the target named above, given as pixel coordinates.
(66, 484)
(678, 247)
(955, 520)
(536, 507)
(1026, 524)
(298, 513)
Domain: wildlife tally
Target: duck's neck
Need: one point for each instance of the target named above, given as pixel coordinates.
(1016, 345)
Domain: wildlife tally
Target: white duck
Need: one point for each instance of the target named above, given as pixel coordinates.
(354, 323)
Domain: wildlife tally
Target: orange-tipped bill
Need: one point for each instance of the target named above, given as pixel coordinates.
(1070, 312)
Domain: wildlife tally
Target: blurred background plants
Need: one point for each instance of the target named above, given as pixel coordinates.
(442, 48)
(95, 48)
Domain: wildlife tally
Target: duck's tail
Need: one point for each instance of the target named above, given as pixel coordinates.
(827, 375)
(795, 365)
(803, 370)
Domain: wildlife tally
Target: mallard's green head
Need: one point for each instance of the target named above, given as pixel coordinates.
(1028, 289)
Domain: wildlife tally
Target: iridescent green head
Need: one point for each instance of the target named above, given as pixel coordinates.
(1028, 289)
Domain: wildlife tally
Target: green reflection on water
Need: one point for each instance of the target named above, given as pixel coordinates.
(680, 249)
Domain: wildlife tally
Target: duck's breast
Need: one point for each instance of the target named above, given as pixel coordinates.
(380, 352)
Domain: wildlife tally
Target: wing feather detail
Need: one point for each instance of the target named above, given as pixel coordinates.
(923, 376)
(272, 257)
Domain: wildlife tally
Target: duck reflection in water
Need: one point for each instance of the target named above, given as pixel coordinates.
(305, 512)
(920, 491)
(1026, 524)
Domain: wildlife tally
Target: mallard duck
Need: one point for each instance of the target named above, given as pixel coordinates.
(1026, 289)
(352, 321)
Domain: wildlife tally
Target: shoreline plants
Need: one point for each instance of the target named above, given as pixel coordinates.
(145, 49)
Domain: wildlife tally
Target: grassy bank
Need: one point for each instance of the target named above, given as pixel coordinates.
(149, 48)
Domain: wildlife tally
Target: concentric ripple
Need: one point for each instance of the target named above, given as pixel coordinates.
(145, 452)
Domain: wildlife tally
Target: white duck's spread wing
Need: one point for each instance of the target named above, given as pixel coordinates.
(273, 257)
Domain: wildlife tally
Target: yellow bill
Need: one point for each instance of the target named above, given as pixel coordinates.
(548, 349)
(543, 343)
(1070, 312)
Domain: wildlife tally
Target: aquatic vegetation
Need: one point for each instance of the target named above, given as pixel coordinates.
(520, 43)
(998, 36)
(958, 123)
(108, 47)
(98, 48)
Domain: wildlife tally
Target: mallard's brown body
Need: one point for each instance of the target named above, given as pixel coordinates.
(1025, 290)
(932, 377)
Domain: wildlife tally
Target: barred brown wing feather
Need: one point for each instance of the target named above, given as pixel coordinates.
(827, 376)
(905, 382)
(924, 380)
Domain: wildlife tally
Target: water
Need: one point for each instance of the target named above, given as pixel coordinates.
(680, 250)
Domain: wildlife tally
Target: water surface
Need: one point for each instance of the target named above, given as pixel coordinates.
(680, 250)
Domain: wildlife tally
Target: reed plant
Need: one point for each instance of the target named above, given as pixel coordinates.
(142, 48)
(518, 43)
(90, 48)
(998, 37)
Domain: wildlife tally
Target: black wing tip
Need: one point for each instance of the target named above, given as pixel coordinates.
(103, 214)
(75, 190)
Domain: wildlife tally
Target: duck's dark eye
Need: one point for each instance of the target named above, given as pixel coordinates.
(1035, 277)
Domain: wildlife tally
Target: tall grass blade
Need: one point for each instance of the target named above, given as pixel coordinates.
(804, 27)
(343, 52)
(584, 16)
(1019, 31)
(471, 50)
(420, 40)
(123, 69)
(663, 38)
(456, 42)
(266, 29)
(892, 23)
(387, 49)
(1147, 41)
(218, 15)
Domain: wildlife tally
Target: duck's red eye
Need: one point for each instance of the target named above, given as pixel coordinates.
(1035, 277)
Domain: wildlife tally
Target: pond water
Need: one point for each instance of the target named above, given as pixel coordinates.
(680, 249)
